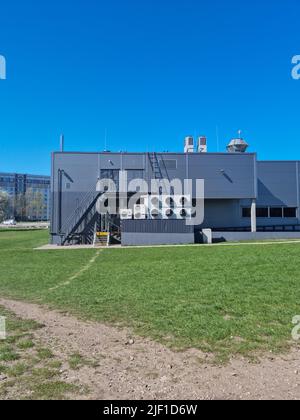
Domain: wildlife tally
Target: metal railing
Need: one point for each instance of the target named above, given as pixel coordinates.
(76, 218)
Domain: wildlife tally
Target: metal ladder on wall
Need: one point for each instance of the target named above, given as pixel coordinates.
(156, 168)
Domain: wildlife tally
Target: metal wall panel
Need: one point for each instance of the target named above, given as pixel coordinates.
(156, 226)
(227, 176)
(80, 175)
(258, 236)
(144, 239)
(277, 184)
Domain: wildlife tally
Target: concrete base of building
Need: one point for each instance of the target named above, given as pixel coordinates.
(253, 236)
(139, 239)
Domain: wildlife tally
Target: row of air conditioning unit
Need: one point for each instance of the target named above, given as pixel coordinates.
(160, 207)
(172, 201)
(169, 213)
(140, 213)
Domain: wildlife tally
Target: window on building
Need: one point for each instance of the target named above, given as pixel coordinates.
(290, 212)
(276, 212)
(112, 174)
(133, 174)
(168, 164)
(246, 212)
(262, 212)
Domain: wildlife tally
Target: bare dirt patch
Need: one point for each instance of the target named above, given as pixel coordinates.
(113, 364)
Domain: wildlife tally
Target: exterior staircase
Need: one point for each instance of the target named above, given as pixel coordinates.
(101, 239)
(78, 226)
(106, 232)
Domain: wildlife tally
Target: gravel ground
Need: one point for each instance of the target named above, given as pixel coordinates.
(130, 367)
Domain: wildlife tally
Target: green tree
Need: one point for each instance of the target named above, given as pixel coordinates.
(20, 207)
(4, 205)
(35, 205)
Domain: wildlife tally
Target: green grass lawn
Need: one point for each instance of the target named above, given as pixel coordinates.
(222, 299)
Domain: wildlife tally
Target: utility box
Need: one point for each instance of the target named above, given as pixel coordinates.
(207, 236)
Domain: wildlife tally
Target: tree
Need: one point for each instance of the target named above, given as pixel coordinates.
(4, 205)
(20, 207)
(34, 204)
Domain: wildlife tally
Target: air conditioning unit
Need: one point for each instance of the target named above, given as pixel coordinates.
(184, 201)
(139, 212)
(183, 213)
(154, 201)
(155, 214)
(126, 214)
(168, 213)
(154, 207)
(168, 201)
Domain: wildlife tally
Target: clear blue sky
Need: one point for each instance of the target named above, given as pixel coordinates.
(151, 72)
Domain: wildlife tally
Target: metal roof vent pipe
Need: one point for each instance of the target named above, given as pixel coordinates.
(189, 144)
(62, 143)
(202, 144)
(237, 145)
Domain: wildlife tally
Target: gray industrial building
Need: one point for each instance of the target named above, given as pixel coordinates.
(26, 193)
(244, 198)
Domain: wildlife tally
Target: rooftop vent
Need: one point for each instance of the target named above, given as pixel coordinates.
(237, 145)
(189, 144)
(202, 144)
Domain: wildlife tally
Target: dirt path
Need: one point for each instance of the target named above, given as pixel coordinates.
(136, 368)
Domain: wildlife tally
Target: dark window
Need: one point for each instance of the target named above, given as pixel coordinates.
(168, 164)
(262, 212)
(290, 212)
(112, 174)
(134, 174)
(246, 212)
(276, 212)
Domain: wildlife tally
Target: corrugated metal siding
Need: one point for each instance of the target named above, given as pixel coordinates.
(277, 184)
(156, 226)
(131, 238)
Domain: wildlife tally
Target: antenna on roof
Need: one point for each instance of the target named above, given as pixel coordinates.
(62, 143)
(218, 138)
(105, 140)
(240, 134)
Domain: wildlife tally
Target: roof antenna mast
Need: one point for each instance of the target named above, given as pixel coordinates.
(218, 138)
(62, 143)
(105, 139)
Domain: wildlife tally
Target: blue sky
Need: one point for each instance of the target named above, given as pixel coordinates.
(148, 71)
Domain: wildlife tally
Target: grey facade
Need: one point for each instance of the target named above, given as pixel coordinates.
(156, 232)
(23, 190)
(241, 193)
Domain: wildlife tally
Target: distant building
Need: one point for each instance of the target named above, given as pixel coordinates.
(29, 195)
